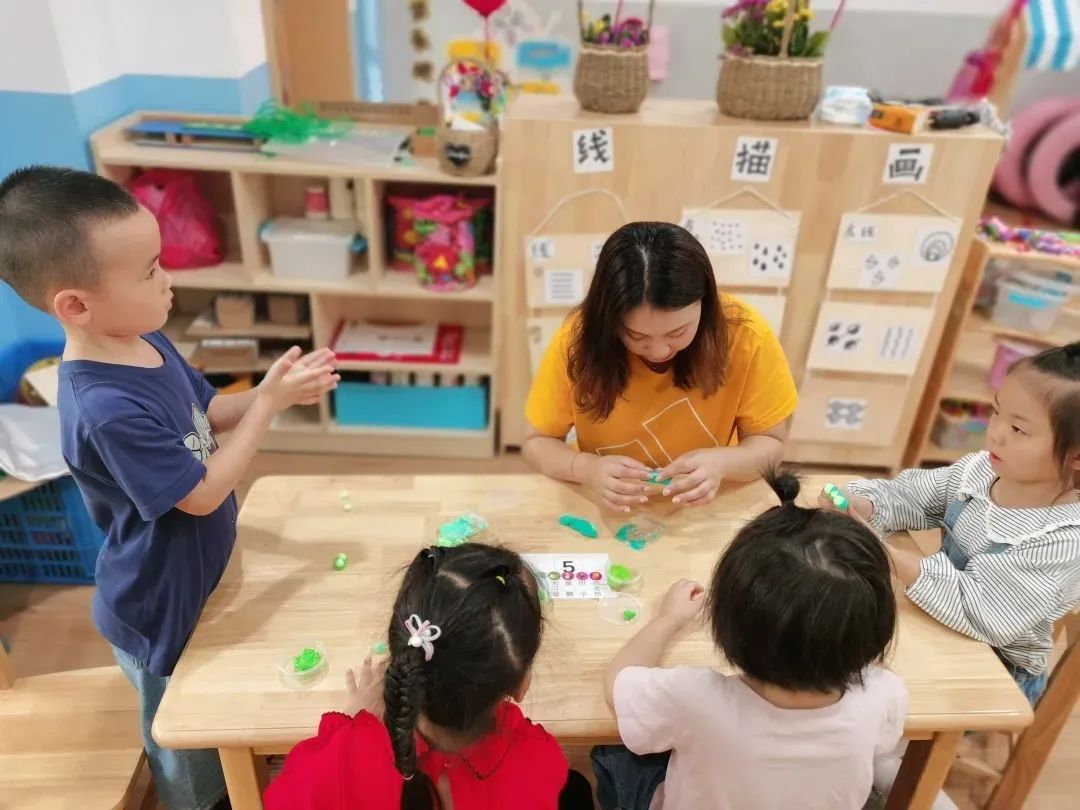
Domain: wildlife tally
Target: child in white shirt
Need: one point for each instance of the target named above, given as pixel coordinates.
(1009, 564)
(801, 603)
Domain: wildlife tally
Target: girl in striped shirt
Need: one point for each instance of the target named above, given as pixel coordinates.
(1009, 564)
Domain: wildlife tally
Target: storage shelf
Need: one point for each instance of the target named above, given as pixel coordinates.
(111, 146)
(199, 329)
(1055, 337)
(968, 378)
(394, 284)
(299, 419)
(475, 359)
(1024, 219)
(941, 455)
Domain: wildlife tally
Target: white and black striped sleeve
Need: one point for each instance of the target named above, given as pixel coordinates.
(998, 597)
(915, 499)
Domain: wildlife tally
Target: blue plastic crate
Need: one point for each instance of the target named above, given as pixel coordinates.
(46, 535)
(403, 406)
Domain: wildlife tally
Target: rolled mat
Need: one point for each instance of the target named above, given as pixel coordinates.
(1028, 127)
(1052, 161)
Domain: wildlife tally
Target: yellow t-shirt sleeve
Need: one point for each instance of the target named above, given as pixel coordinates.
(550, 405)
(769, 395)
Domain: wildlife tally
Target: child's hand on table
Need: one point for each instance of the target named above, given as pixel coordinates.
(364, 692)
(619, 480)
(295, 380)
(859, 507)
(682, 603)
(697, 476)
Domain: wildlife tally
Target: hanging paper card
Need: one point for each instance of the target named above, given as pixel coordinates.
(559, 268)
(868, 337)
(849, 411)
(747, 247)
(771, 307)
(896, 252)
(539, 332)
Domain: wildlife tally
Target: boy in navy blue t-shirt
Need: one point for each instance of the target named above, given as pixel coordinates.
(138, 430)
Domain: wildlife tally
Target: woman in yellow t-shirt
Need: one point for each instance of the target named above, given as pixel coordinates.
(657, 371)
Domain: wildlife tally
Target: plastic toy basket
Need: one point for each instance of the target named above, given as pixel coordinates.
(47, 536)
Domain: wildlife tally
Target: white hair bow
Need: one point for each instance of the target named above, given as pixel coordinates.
(422, 634)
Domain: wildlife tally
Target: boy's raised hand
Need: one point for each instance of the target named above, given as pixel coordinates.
(295, 380)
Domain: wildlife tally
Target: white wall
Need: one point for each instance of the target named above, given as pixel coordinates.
(29, 50)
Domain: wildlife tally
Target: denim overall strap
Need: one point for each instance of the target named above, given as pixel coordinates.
(949, 542)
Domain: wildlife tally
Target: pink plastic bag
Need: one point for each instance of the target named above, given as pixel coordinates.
(189, 232)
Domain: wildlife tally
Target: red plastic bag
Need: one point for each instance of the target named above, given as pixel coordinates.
(189, 231)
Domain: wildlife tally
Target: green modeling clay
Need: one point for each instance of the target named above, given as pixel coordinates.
(654, 478)
(345, 495)
(836, 495)
(619, 576)
(458, 531)
(340, 561)
(347, 506)
(307, 660)
(380, 648)
(629, 615)
(579, 525)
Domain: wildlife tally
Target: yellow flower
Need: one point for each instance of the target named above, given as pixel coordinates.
(778, 24)
(777, 6)
(807, 14)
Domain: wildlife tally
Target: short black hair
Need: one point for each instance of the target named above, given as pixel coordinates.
(44, 212)
(485, 600)
(802, 599)
(1061, 368)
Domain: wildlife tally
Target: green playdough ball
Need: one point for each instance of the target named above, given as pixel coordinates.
(307, 660)
(619, 575)
(340, 562)
(380, 648)
(629, 615)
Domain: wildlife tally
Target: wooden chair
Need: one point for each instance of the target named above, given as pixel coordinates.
(68, 740)
(1028, 752)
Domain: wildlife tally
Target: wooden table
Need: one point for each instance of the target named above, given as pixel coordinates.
(281, 591)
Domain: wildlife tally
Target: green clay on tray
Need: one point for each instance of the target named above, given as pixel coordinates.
(579, 525)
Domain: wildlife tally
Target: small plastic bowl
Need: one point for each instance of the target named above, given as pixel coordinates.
(624, 578)
(302, 677)
(619, 608)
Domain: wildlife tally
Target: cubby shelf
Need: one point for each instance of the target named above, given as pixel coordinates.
(247, 189)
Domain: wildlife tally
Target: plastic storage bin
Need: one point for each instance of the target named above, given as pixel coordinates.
(311, 249)
(961, 426)
(46, 535)
(1007, 353)
(404, 406)
(1031, 302)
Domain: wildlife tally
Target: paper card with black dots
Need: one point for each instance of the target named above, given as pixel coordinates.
(771, 258)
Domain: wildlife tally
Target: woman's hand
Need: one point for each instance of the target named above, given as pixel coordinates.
(697, 476)
(682, 603)
(618, 480)
(364, 692)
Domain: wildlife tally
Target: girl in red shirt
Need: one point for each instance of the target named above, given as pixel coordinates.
(465, 630)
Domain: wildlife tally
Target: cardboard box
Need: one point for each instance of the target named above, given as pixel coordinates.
(286, 310)
(235, 311)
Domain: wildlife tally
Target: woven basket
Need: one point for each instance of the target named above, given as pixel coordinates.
(464, 152)
(770, 88)
(610, 79)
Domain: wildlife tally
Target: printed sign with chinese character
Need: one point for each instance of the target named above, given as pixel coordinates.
(900, 252)
(908, 163)
(747, 247)
(559, 268)
(593, 150)
(754, 159)
(571, 576)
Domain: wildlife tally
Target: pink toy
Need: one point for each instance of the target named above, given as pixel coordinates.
(1053, 151)
(445, 257)
(1028, 128)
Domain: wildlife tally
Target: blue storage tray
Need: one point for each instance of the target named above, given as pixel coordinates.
(46, 535)
(402, 406)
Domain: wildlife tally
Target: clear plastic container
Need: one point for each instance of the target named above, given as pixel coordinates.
(298, 666)
(619, 608)
(624, 578)
(310, 249)
(1025, 307)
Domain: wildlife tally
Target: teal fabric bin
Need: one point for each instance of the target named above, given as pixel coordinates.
(404, 406)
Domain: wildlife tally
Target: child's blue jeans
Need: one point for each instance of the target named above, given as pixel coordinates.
(625, 780)
(184, 780)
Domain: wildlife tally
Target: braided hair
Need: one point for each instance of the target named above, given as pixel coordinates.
(802, 599)
(1061, 369)
(486, 602)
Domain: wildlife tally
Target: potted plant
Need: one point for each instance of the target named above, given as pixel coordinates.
(612, 71)
(772, 63)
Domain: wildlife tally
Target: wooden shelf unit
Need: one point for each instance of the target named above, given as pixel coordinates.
(246, 189)
(966, 352)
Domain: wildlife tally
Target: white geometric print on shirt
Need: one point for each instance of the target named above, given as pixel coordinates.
(201, 440)
(674, 430)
